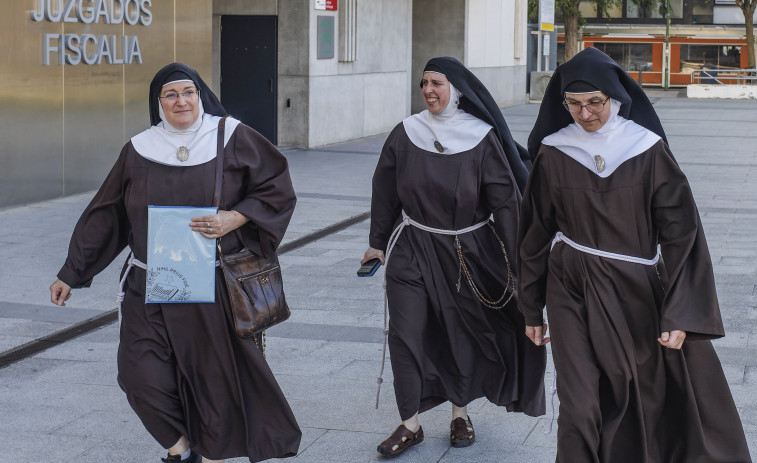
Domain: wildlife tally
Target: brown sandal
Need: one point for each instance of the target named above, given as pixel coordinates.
(400, 440)
(461, 433)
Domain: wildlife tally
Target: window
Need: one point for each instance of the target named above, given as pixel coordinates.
(632, 57)
(614, 11)
(716, 56)
(588, 9)
(702, 12)
(653, 9)
(642, 9)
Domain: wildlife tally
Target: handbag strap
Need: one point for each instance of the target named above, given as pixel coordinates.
(219, 164)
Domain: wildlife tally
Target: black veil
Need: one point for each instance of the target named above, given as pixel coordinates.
(596, 68)
(177, 71)
(477, 101)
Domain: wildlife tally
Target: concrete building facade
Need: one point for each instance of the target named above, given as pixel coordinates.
(302, 72)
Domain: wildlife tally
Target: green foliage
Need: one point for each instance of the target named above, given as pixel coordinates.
(533, 11)
(569, 8)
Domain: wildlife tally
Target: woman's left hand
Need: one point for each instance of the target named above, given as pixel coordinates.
(672, 339)
(216, 226)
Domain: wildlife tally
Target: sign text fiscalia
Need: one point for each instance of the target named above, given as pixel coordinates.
(89, 48)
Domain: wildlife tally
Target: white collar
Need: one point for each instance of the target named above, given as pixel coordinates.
(606, 149)
(160, 142)
(453, 129)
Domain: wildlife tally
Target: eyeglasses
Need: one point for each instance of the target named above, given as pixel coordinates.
(171, 97)
(594, 108)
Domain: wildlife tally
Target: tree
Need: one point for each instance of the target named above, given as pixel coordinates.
(748, 7)
(573, 20)
(574, 23)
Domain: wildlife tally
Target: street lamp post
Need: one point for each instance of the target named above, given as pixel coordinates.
(667, 45)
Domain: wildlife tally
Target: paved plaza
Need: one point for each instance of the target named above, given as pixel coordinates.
(64, 405)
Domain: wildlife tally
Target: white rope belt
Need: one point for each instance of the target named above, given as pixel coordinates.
(610, 255)
(132, 262)
(390, 246)
(439, 231)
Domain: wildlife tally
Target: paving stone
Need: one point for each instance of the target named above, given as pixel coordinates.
(352, 447)
(734, 374)
(36, 447)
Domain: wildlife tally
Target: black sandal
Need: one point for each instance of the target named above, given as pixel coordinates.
(461, 433)
(400, 440)
(193, 458)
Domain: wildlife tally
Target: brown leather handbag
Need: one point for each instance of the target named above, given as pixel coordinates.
(254, 283)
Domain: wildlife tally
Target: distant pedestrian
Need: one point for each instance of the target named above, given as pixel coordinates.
(611, 242)
(198, 388)
(444, 213)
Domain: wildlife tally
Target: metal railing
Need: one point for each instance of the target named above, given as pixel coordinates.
(724, 76)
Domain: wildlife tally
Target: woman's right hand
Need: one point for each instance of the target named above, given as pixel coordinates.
(372, 253)
(59, 293)
(536, 334)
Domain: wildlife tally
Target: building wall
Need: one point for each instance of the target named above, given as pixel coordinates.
(64, 124)
(319, 99)
(438, 30)
(294, 69)
(368, 96)
(496, 47)
(488, 36)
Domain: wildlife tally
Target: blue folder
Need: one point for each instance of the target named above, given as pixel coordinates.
(181, 263)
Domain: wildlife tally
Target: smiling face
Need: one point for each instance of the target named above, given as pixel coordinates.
(183, 112)
(589, 121)
(435, 89)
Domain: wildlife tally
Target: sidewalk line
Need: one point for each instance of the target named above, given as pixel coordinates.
(51, 340)
(78, 329)
(318, 234)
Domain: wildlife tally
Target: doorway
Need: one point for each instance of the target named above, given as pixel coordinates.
(249, 76)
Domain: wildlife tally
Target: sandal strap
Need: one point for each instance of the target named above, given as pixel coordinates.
(460, 428)
(400, 433)
(401, 437)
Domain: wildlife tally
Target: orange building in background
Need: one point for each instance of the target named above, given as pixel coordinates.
(703, 34)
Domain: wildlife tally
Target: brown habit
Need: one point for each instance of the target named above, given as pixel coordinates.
(444, 344)
(624, 397)
(184, 370)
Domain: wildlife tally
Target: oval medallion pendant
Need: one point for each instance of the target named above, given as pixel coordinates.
(182, 153)
(600, 163)
(438, 146)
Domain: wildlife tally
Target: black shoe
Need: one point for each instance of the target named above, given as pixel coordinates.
(461, 433)
(193, 458)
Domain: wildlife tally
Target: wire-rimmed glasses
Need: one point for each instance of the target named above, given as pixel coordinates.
(594, 107)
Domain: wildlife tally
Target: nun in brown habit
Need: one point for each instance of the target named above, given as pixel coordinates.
(611, 242)
(447, 187)
(201, 391)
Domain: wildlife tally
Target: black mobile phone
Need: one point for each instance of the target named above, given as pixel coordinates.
(369, 268)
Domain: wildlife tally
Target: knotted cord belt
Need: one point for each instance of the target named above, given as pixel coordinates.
(610, 255)
(132, 262)
(559, 237)
(406, 220)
